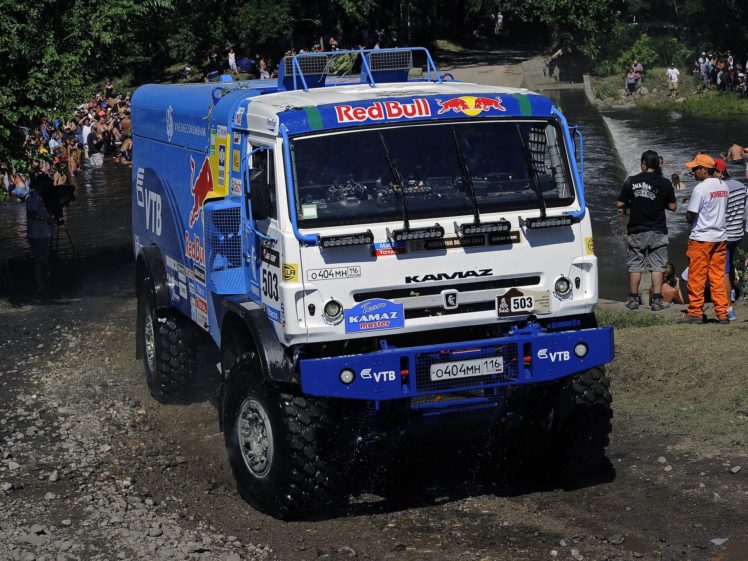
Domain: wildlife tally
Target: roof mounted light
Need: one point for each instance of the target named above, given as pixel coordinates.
(471, 229)
(548, 222)
(434, 232)
(361, 238)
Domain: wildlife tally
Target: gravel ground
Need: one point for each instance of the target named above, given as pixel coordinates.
(91, 468)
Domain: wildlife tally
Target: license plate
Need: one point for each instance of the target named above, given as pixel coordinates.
(523, 302)
(441, 371)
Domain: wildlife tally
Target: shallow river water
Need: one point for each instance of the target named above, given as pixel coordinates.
(99, 219)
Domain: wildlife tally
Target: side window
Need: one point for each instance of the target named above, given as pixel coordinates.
(263, 160)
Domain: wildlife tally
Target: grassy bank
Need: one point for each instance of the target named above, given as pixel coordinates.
(692, 99)
(683, 382)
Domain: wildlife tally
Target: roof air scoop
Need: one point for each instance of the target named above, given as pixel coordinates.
(367, 66)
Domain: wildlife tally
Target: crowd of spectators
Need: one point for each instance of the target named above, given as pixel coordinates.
(99, 128)
(722, 72)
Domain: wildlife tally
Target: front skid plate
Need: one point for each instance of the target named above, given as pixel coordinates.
(397, 373)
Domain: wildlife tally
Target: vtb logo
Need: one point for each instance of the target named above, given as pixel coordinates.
(470, 105)
(200, 188)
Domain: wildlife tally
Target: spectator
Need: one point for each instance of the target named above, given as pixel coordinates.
(678, 185)
(672, 79)
(647, 195)
(264, 73)
(630, 83)
(39, 229)
(707, 244)
(232, 61)
(95, 147)
(735, 223)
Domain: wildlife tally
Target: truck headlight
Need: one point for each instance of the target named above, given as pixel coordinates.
(333, 312)
(563, 286)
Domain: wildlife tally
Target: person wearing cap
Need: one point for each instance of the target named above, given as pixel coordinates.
(735, 224)
(647, 195)
(707, 244)
(672, 79)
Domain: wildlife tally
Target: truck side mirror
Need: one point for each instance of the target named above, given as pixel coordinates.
(259, 194)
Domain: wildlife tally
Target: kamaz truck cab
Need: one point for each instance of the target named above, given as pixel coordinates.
(371, 249)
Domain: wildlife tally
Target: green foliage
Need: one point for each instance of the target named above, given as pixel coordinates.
(263, 21)
(581, 26)
(54, 51)
(656, 51)
(714, 104)
(642, 50)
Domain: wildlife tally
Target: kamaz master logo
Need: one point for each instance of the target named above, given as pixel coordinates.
(449, 276)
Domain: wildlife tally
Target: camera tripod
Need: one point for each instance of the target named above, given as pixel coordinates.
(62, 225)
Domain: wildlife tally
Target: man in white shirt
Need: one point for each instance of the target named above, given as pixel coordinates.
(672, 80)
(707, 244)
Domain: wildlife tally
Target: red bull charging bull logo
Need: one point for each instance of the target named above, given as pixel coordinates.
(470, 105)
(200, 188)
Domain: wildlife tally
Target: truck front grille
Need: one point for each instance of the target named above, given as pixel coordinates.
(432, 289)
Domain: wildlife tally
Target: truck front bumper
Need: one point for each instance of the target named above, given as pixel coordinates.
(524, 357)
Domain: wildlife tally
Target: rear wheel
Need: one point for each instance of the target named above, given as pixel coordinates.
(279, 444)
(168, 347)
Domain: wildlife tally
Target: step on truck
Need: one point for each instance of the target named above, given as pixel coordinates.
(377, 251)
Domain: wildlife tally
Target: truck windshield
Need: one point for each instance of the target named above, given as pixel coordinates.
(344, 178)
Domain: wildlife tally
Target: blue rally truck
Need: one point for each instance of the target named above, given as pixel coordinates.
(372, 249)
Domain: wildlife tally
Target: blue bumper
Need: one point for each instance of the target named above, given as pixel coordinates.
(520, 358)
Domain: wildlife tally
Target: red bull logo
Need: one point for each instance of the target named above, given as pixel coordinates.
(470, 105)
(193, 249)
(380, 110)
(200, 188)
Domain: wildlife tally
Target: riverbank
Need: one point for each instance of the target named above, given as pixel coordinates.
(609, 93)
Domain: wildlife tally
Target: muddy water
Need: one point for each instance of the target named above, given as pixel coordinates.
(99, 219)
(614, 142)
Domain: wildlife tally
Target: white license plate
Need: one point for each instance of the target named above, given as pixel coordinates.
(523, 302)
(441, 371)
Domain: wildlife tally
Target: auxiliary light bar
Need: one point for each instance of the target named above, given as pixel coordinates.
(501, 227)
(361, 238)
(409, 234)
(548, 222)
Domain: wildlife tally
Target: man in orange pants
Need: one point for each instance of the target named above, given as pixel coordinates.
(707, 244)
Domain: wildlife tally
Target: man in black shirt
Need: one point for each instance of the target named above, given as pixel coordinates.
(647, 195)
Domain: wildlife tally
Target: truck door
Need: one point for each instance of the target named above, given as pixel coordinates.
(261, 230)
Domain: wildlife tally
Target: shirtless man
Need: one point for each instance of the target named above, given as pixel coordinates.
(735, 153)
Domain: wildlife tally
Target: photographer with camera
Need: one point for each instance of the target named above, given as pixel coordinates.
(39, 226)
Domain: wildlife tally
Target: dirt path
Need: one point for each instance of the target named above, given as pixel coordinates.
(92, 468)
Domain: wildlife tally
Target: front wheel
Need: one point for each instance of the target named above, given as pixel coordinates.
(584, 433)
(278, 444)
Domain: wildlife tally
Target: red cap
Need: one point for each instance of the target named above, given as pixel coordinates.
(720, 164)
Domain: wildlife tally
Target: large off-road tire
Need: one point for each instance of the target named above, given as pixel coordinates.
(279, 444)
(168, 348)
(584, 433)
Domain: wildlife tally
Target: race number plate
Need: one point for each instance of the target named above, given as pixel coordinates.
(441, 371)
(523, 302)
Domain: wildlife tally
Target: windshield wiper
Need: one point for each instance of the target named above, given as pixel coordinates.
(533, 173)
(407, 233)
(398, 181)
(477, 227)
(467, 179)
